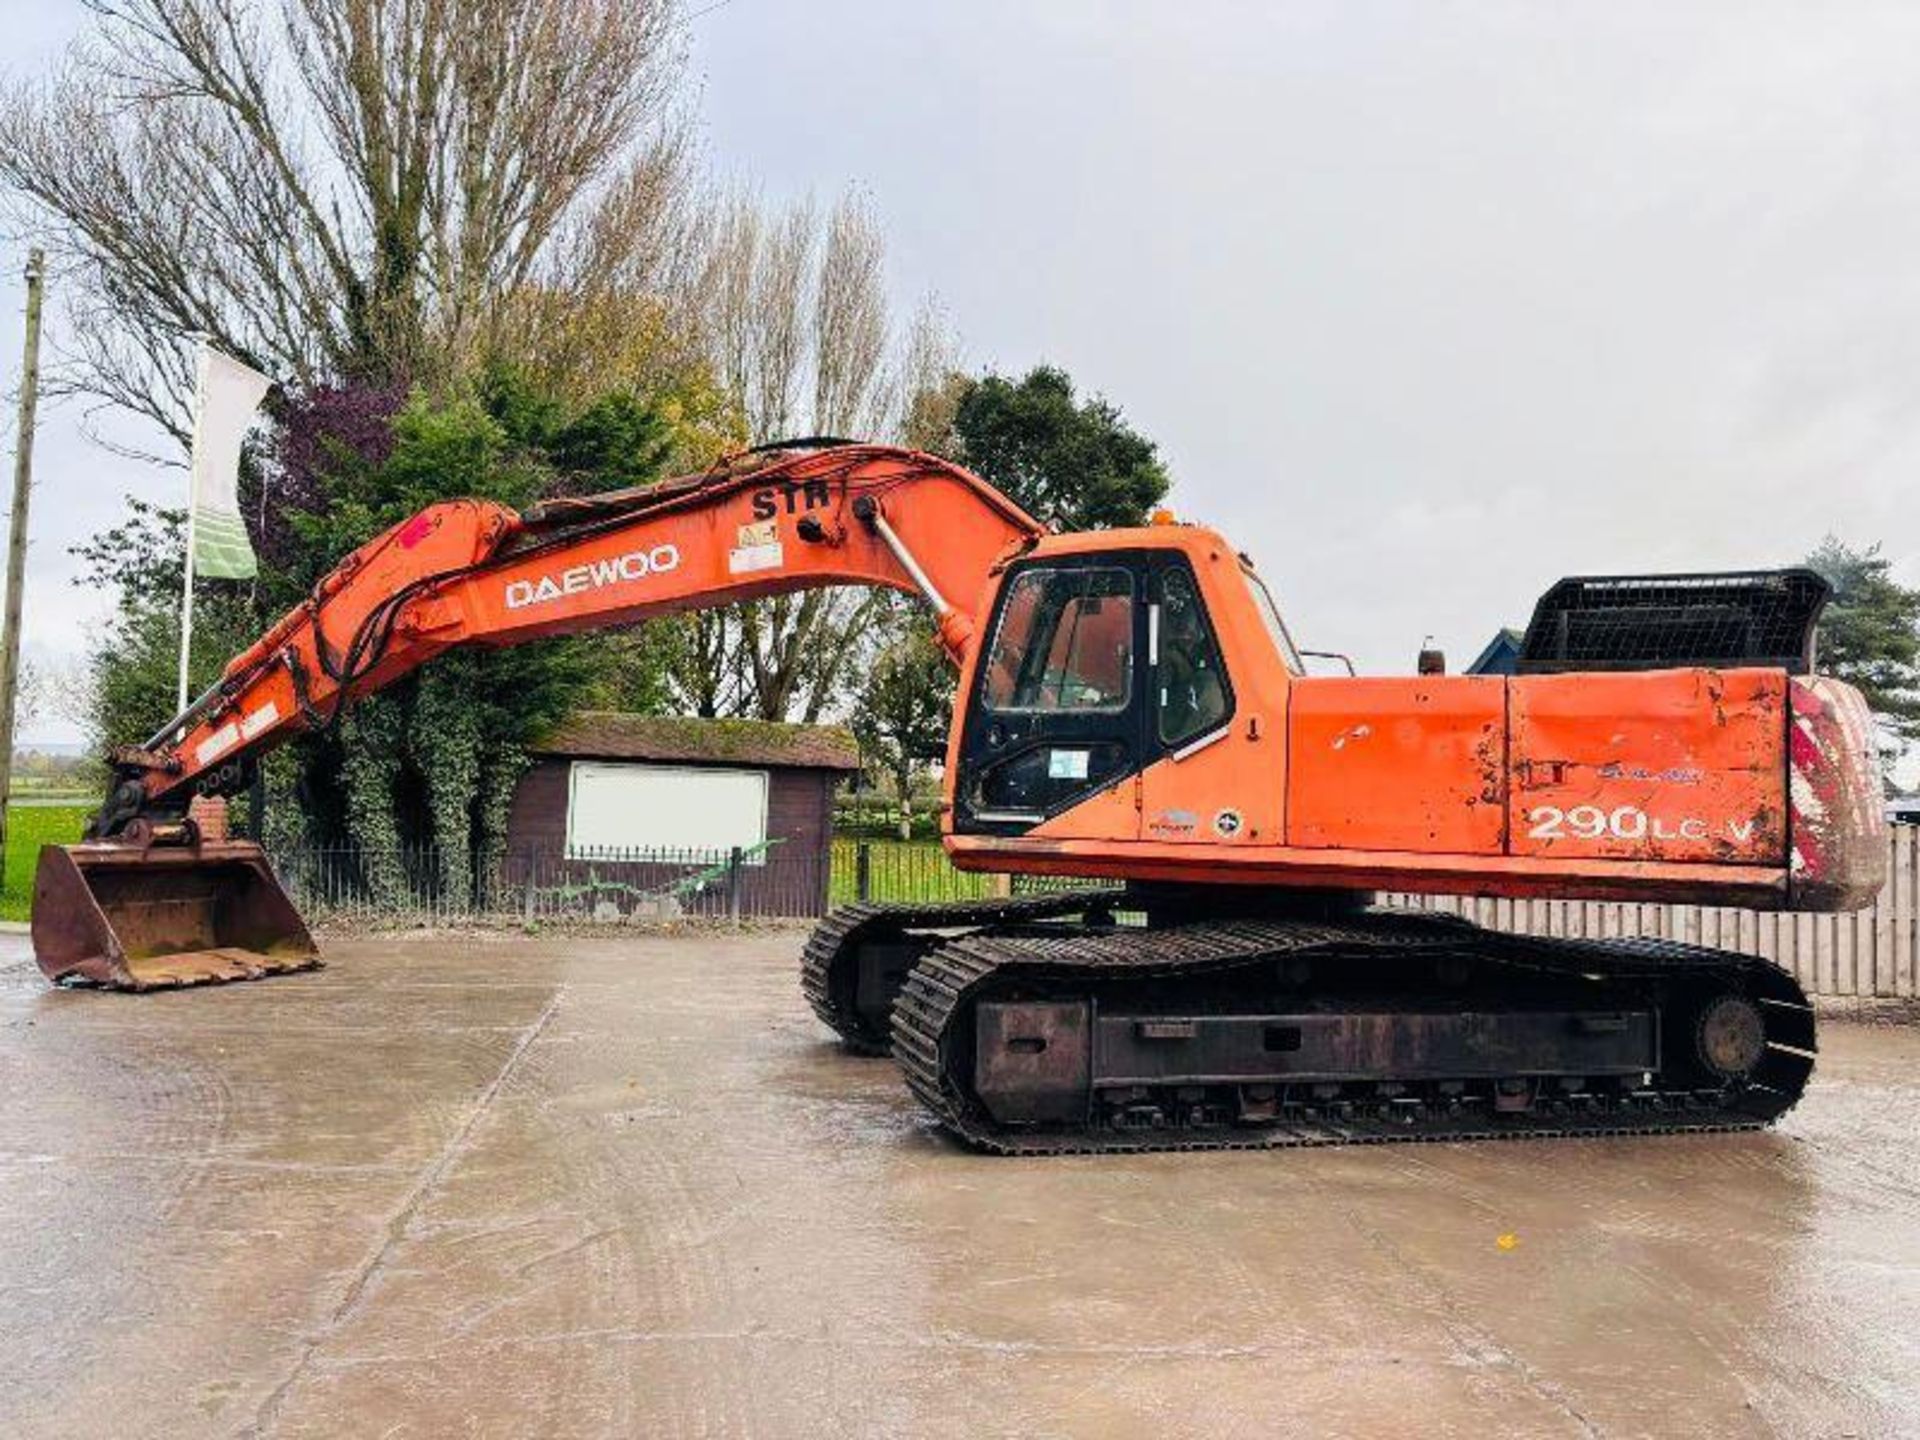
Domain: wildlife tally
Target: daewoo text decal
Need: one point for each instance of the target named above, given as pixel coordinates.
(622, 569)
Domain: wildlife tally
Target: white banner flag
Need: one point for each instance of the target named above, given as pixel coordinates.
(229, 394)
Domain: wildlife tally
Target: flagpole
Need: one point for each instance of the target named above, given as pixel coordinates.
(186, 599)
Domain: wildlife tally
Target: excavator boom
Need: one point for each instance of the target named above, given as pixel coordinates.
(149, 900)
(473, 572)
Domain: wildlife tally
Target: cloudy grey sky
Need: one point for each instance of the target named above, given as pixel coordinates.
(1426, 304)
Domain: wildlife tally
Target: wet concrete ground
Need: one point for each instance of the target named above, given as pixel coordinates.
(491, 1186)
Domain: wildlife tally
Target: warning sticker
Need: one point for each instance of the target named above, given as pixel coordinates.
(1067, 764)
(217, 744)
(252, 725)
(749, 558)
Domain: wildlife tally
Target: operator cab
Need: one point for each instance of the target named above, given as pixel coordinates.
(1096, 664)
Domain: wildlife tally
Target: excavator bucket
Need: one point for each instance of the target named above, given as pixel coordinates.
(130, 917)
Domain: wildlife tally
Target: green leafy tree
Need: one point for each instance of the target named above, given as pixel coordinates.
(433, 760)
(1063, 459)
(1075, 462)
(143, 557)
(1870, 633)
(128, 682)
(134, 668)
(441, 751)
(901, 713)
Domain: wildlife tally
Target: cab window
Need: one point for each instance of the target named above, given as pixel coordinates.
(1191, 696)
(1065, 642)
(1270, 617)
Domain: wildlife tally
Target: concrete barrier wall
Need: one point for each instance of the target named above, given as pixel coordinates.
(1869, 953)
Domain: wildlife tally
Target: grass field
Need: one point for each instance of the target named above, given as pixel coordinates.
(28, 828)
(897, 870)
(901, 870)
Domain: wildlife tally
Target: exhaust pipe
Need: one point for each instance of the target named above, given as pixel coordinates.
(153, 916)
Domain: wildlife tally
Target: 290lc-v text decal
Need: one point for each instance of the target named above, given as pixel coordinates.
(1625, 822)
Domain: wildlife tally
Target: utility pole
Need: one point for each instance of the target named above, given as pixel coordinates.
(17, 536)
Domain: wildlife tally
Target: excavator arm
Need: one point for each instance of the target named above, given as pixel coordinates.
(466, 572)
(149, 901)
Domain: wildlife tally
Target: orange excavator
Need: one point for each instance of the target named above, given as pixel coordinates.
(1133, 716)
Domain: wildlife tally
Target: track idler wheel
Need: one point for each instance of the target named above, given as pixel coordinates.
(1731, 1036)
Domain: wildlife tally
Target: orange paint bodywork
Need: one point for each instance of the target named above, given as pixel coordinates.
(1650, 785)
(1664, 765)
(1673, 785)
(1392, 764)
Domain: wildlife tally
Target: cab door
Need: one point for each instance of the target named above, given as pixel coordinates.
(1202, 783)
(1053, 728)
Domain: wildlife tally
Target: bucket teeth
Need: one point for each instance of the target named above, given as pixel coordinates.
(129, 917)
(211, 967)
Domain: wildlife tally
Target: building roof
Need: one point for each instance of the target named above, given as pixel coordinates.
(1505, 645)
(615, 735)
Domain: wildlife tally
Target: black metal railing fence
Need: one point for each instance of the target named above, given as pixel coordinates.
(533, 883)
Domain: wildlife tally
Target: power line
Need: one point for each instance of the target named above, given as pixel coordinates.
(705, 10)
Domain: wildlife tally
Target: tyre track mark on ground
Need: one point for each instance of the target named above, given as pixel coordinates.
(398, 1224)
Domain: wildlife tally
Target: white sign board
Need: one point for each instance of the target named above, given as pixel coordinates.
(614, 806)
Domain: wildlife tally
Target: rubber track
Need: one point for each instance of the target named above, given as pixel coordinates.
(840, 935)
(937, 990)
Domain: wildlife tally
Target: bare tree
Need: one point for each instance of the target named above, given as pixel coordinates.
(757, 275)
(393, 189)
(30, 694)
(332, 188)
(931, 381)
(617, 304)
(850, 325)
(59, 689)
(797, 324)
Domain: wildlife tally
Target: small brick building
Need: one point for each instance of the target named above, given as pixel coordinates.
(646, 797)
